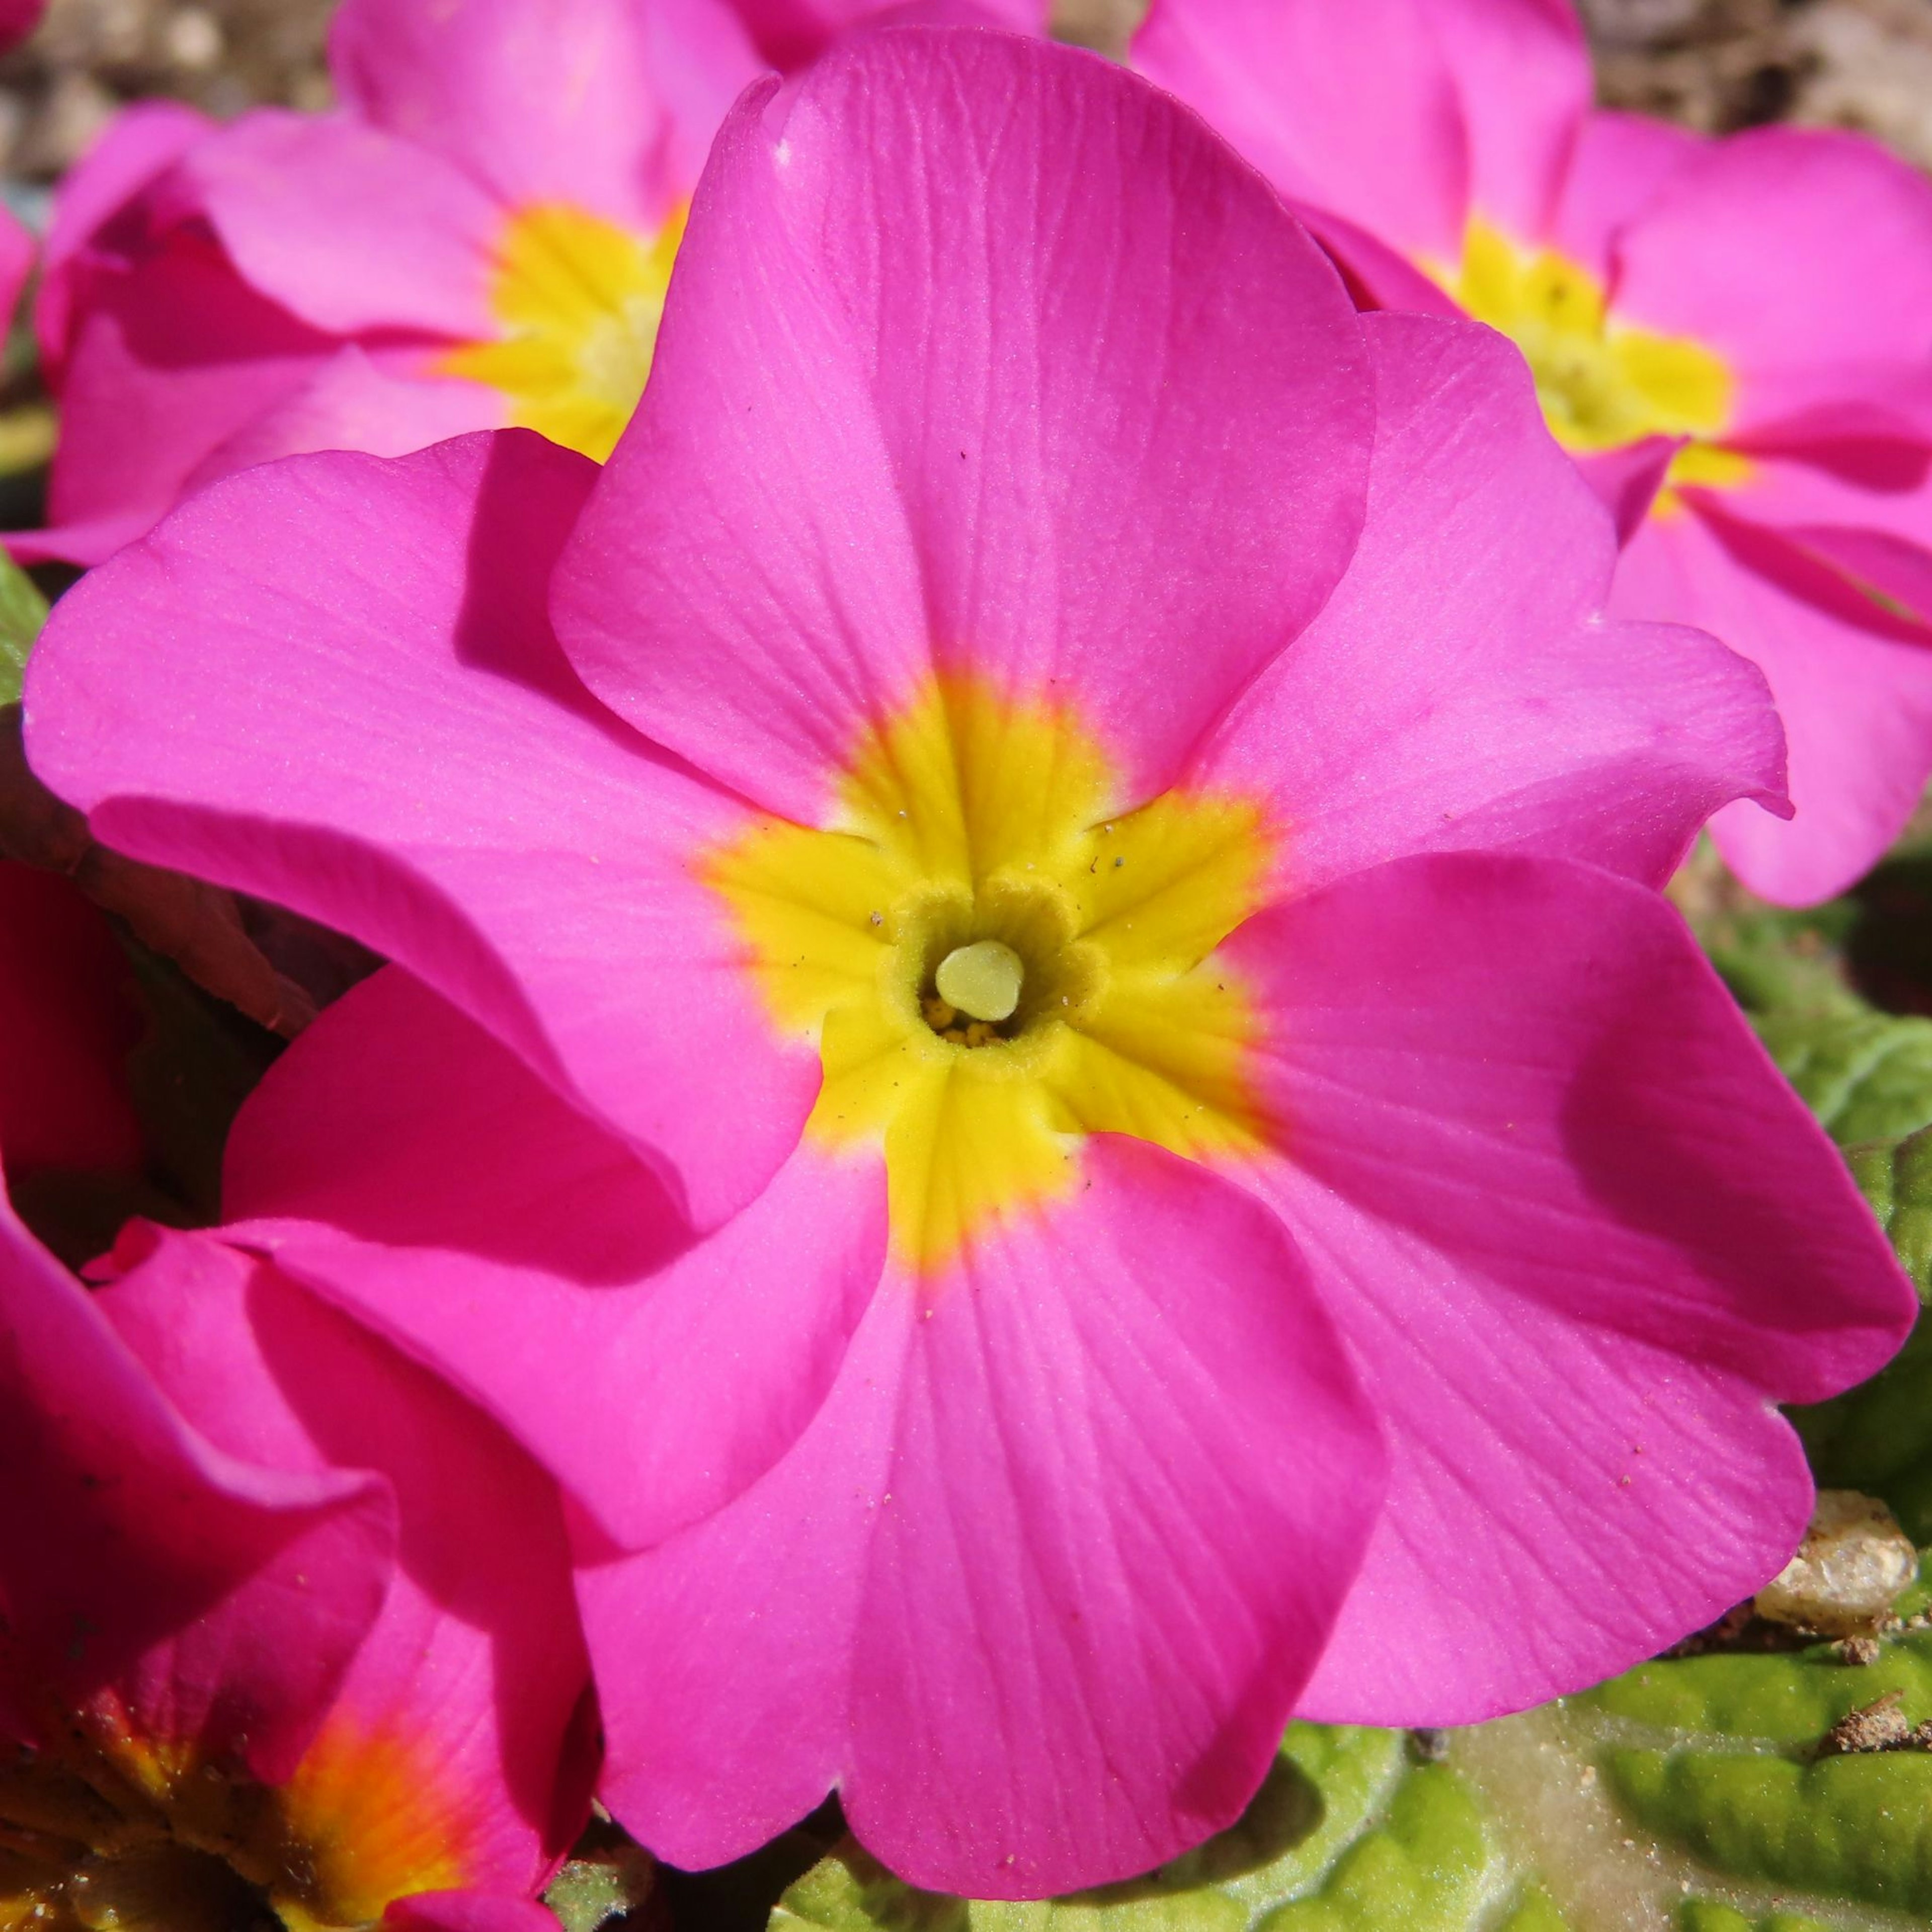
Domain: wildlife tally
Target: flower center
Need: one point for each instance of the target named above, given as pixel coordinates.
(991, 967)
(99, 1829)
(579, 300)
(1602, 383)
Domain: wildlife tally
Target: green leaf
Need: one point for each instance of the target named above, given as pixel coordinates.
(22, 612)
(1867, 1076)
(1688, 1794)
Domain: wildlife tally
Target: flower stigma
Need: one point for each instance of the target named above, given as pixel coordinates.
(1602, 383)
(990, 967)
(578, 300)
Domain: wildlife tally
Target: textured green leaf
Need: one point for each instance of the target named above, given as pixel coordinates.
(23, 611)
(1867, 1076)
(1687, 1796)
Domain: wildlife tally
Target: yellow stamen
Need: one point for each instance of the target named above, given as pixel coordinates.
(579, 300)
(1602, 382)
(975, 895)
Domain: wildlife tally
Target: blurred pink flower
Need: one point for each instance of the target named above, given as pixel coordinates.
(1052, 1015)
(287, 1621)
(481, 236)
(1734, 337)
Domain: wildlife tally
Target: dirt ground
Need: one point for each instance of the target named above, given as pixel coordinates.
(1718, 64)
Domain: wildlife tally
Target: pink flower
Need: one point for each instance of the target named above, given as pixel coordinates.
(1044, 1000)
(286, 1620)
(481, 236)
(1734, 337)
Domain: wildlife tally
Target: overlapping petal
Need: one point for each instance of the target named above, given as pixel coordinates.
(1021, 1588)
(441, 1755)
(1462, 687)
(1580, 1237)
(1791, 252)
(1142, 415)
(400, 1161)
(606, 104)
(1853, 685)
(220, 1601)
(378, 730)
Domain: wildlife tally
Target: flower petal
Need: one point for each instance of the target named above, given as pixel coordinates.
(170, 357)
(1580, 1237)
(1788, 250)
(608, 105)
(1058, 1554)
(438, 1764)
(369, 723)
(401, 1163)
(1619, 163)
(881, 434)
(1353, 109)
(1853, 685)
(96, 198)
(1461, 687)
(356, 401)
(346, 226)
(468, 1912)
(223, 1601)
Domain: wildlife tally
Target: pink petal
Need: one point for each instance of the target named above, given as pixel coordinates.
(1056, 1557)
(1462, 687)
(1627, 478)
(468, 1912)
(168, 358)
(1618, 166)
(1853, 685)
(414, 1171)
(346, 226)
(355, 401)
(1789, 251)
(877, 393)
(370, 722)
(609, 105)
(476, 1661)
(67, 1021)
(141, 142)
(1351, 109)
(789, 33)
(1863, 506)
(1523, 84)
(222, 1601)
(1580, 1237)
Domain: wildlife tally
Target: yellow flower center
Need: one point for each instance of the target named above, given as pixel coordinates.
(579, 300)
(990, 967)
(101, 1830)
(1602, 383)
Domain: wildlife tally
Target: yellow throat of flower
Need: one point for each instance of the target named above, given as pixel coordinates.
(990, 968)
(579, 300)
(1601, 382)
(101, 1832)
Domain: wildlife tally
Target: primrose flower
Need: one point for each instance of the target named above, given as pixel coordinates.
(289, 1633)
(481, 236)
(1030, 968)
(1734, 337)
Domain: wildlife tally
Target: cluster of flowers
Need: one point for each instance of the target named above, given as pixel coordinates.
(1034, 1104)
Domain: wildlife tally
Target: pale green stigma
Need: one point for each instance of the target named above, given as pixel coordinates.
(983, 980)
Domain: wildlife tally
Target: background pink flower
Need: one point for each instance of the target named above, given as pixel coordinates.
(286, 1620)
(1379, 1210)
(1734, 337)
(481, 235)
